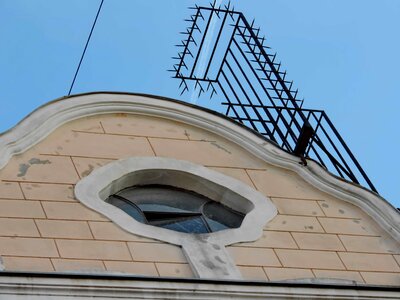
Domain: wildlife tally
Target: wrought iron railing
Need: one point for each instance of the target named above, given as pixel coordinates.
(224, 55)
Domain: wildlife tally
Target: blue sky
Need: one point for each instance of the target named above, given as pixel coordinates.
(342, 55)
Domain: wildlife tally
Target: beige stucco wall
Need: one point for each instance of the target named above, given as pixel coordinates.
(43, 227)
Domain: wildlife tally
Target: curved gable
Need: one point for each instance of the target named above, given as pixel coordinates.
(326, 227)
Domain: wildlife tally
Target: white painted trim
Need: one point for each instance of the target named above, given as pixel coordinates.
(47, 118)
(56, 288)
(205, 252)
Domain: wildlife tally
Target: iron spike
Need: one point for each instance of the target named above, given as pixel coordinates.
(185, 89)
(196, 27)
(212, 6)
(189, 52)
(272, 57)
(201, 15)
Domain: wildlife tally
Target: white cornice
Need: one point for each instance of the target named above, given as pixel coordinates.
(68, 286)
(47, 118)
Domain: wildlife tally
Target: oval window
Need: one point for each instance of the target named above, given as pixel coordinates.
(175, 209)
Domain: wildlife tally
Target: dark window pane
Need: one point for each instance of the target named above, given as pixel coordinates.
(215, 225)
(175, 199)
(160, 216)
(160, 207)
(127, 207)
(221, 214)
(191, 225)
(175, 209)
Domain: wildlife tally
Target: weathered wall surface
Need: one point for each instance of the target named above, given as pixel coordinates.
(43, 227)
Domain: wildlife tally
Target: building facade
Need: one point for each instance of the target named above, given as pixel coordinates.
(315, 235)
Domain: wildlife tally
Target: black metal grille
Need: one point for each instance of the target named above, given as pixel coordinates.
(223, 54)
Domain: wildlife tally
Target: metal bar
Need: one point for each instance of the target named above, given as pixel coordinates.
(318, 157)
(220, 10)
(201, 44)
(226, 96)
(252, 105)
(255, 75)
(319, 121)
(350, 153)
(283, 107)
(238, 100)
(335, 163)
(297, 125)
(215, 45)
(292, 119)
(245, 94)
(229, 45)
(255, 93)
(254, 120)
(188, 41)
(198, 79)
(270, 63)
(338, 152)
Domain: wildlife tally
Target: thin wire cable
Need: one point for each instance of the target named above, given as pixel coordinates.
(84, 50)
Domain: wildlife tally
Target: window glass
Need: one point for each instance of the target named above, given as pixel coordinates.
(162, 195)
(175, 209)
(191, 225)
(222, 214)
(149, 207)
(215, 225)
(127, 207)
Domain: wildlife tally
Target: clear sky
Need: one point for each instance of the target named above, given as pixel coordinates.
(344, 56)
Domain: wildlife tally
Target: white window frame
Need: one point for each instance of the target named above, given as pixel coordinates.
(205, 252)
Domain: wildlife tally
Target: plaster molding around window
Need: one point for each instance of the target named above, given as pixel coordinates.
(206, 252)
(47, 118)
